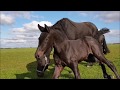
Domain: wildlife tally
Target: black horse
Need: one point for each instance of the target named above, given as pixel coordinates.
(72, 31)
(71, 52)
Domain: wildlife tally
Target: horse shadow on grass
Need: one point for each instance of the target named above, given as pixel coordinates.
(31, 74)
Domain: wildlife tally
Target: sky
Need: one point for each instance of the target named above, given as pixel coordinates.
(19, 28)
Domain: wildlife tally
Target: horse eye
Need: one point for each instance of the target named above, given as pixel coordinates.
(46, 39)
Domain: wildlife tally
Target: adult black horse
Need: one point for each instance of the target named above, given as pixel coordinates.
(72, 31)
(71, 52)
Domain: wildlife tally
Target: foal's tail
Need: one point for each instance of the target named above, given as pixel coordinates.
(103, 31)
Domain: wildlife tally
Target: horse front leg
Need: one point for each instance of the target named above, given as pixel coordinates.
(75, 69)
(57, 71)
(58, 66)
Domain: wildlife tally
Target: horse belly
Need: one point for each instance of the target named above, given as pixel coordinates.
(79, 52)
(83, 54)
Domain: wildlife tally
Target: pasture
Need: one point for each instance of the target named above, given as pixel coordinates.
(20, 63)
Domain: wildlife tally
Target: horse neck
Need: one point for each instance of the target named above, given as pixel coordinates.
(48, 51)
(59, 39)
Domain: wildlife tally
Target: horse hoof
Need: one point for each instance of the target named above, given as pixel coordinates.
(105, 52)
(107, 77)
(89, 64)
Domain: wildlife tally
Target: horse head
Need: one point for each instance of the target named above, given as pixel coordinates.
(44, 61)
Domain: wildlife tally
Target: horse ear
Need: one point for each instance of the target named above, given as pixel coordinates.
(42, 29)
(47, 28)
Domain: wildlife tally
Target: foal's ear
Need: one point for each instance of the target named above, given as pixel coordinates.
(42, 29)
(47, 28)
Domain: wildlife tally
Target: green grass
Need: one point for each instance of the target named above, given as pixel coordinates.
(21, 64)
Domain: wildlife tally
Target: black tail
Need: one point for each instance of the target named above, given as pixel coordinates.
(103, 31)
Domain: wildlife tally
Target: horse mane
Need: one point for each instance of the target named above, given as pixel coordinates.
(61, 24)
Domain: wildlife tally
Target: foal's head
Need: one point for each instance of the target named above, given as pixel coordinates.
(43, 50)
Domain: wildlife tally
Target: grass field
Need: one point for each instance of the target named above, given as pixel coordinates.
(20, 64)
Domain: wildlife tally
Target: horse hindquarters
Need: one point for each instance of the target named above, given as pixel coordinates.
(100, 56)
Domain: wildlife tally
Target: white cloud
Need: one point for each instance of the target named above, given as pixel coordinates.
(45, 22)
(18, 30)
(34, 25)
(110, 16)
(29, 28)
(113, 33)
(37, 17)
(113, 36)
(23, 14)
(26, 36)
(20, 36)
(6, 19)
(9, 17)
(106, 16)
(13, 41)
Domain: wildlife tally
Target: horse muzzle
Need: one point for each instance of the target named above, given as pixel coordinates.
(40, 74)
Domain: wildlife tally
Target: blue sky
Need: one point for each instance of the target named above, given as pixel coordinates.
(19, 28)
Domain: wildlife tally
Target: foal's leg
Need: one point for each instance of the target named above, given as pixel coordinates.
(112, 67)
(101, 57)
(97, 52)
(105, 75)
(57, 72)
(58, 66)
(75, 69)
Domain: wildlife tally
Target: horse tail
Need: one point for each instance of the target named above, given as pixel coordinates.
(102, 40)
(103, 31)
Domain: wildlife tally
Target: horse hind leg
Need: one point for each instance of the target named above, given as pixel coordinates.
(112, 67)
(109, 64)
(105, 75)
(97, 52)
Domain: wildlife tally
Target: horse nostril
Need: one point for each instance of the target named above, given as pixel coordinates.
(37, 56)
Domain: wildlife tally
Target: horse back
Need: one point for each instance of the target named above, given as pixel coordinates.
(74, 30)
